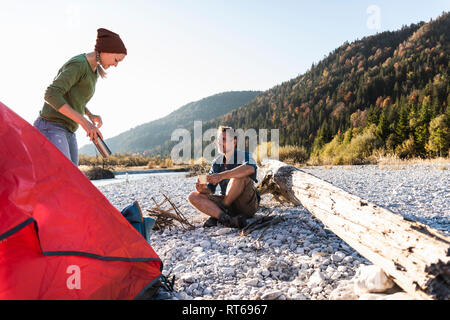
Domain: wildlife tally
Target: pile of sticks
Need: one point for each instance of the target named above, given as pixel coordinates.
(164, 218)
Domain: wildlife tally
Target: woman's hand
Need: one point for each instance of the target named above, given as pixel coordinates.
(91, 130)
(96, 120)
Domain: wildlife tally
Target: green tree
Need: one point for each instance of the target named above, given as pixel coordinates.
(372, 117)
(421, 133)
(439, 140)
(383, 126)
(401, 127)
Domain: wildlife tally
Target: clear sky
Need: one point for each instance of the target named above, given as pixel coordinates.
(181, 51)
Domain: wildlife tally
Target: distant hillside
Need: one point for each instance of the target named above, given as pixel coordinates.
(387, 93)
(150, 136)
(394, 83)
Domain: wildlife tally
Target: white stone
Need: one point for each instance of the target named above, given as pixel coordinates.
(265, 273)
(397, 296)
(316, 290)
(270, 263)
(179, 268)
(336, 275)
(223, 231)
(337, 256)
(271, 295)
(342, 268)
(316, 279)
(371, 279)
(330, 270)
(252, 282)
(317, 253)
(228, 271)
(344, 291)
(371, 296)
(292, 291)
(184, 296)
(298, 282)
(188, 278)
(298, 296)
(197, 249)
(205, 244)
(192, 287)
(348, 259)
(208, 291)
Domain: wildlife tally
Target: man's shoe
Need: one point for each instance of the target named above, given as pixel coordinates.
(211, 222)
(232, 222)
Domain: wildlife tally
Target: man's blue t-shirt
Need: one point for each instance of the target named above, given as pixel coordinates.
(218, 165)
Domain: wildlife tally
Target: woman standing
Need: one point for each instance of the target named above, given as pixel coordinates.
(66, 98)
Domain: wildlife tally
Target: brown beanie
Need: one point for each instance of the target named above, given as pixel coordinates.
(108, 41)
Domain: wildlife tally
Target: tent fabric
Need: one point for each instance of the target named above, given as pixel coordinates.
(52, 217)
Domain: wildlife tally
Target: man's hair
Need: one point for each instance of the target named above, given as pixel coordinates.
(225, 129)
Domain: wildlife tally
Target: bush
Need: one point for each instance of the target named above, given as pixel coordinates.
(407, 149)
(262, 151)
(289, 154)
(292, 154)
(124, 160)
(352, 147)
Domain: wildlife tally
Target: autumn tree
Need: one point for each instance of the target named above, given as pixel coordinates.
(439, 140)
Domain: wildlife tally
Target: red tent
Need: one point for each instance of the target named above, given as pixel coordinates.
(60, 238)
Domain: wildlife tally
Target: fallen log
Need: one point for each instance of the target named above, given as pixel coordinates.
(414, 255)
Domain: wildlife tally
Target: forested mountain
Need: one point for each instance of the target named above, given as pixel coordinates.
(150, 136)
(394, 84)
(384, 93)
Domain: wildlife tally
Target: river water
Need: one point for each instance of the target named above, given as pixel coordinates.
(134, 177)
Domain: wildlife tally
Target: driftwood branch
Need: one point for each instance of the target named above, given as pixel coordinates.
(414, 255)
(265, 221)
(267, 225)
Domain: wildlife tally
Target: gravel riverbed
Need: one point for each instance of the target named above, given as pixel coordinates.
(295, 259)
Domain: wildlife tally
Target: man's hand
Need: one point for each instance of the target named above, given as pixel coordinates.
(202, 188)
(215, 178)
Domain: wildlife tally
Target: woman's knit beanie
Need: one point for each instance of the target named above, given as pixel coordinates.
(108, 41)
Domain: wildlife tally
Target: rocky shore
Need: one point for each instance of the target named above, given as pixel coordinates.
(297, 258)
